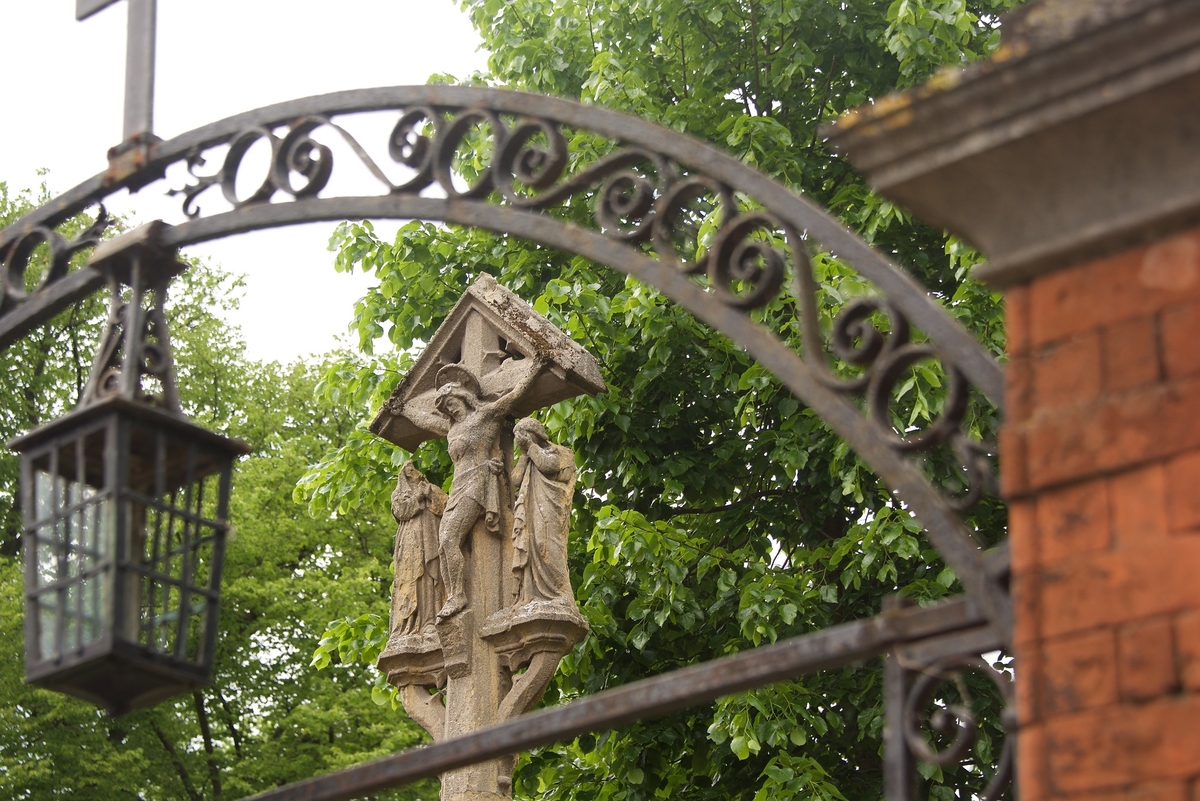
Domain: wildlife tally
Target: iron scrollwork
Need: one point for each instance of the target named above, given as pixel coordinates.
(134, 346)
(648, 190)
(886, 357)
(19, 253)
(640, 197)
(955, 721)
(630, 206)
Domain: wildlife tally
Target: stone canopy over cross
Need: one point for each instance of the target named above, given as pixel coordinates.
(490, 331)
(139, 63)
(482, 606)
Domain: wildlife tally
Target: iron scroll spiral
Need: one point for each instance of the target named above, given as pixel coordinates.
(638, 192)
(13, 290)
(957, 721)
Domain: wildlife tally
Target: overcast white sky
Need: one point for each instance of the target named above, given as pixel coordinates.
(63, 91)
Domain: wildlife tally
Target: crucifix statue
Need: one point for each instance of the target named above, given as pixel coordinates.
(482, 607)
(472, 426)
(139, 65)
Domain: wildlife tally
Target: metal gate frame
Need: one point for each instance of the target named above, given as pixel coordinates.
(650, 175)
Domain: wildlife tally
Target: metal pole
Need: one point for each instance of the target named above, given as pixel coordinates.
(899, 768)
(826, 649)
(139, 68)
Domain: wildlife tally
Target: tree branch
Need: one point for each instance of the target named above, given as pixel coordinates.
(39, 369)
(680, 511)
(180, 768)
(229, 723)
(758, 100)
(683, 64)
(76, 356)
(524, 25)
(214, 770)
(824, 101)
(591, 31)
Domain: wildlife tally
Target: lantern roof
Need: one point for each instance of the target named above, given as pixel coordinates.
(137, 410)
(489, 331)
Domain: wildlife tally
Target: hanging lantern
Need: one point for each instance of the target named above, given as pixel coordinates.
(124, 504)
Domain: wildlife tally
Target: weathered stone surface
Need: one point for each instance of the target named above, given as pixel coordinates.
(417, 591)
(1074, 140)
(482, 607)
(514, 332)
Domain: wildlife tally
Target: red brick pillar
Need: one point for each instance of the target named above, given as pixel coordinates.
(1071, 158)
(1101, 457)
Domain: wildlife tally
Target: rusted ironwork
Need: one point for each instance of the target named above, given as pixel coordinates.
(135, 344)
(647, 192)
(834, 647)
(16, 260)
(954, 720)
(659, 145)
(914, 672)
(641, 189)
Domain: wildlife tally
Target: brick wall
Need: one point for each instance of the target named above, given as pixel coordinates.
(1101, 464)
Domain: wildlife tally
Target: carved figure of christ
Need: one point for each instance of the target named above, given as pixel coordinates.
(472, 426)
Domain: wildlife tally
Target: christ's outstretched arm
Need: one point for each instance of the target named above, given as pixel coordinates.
(430, 421)
(505, 403)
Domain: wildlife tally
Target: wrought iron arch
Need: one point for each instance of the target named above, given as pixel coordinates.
(640, 186)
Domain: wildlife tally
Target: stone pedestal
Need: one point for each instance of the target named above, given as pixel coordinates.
(476, 680)
(1070, 158)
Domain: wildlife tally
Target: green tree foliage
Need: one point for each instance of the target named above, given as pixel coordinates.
(268, 717)
(715, 512)
(44, 372)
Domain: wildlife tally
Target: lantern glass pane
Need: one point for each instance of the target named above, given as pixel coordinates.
(47, 615)
(174, 508)
(71, 543)
(202, 564)
(197, 623)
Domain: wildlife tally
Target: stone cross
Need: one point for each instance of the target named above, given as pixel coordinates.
(139, 62)
(482, 607)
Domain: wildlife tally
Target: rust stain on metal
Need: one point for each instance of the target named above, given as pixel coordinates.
(128, 159)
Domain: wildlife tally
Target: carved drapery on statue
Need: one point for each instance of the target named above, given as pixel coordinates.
(482, 644)
(417, 592)
(545, 477)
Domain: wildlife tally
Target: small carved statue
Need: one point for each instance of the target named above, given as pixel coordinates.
(545, 476)
(417, 593)
(472, 426)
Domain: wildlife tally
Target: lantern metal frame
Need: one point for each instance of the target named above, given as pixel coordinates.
(125, 504)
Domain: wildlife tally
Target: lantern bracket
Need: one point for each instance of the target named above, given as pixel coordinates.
(135, 344)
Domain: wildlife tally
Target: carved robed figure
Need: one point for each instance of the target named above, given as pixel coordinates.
(417, 592)
(545, 476)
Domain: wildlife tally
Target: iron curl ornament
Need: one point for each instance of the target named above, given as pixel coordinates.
(18, 253)
(502, 161)
(630, 204)
(957, 721)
